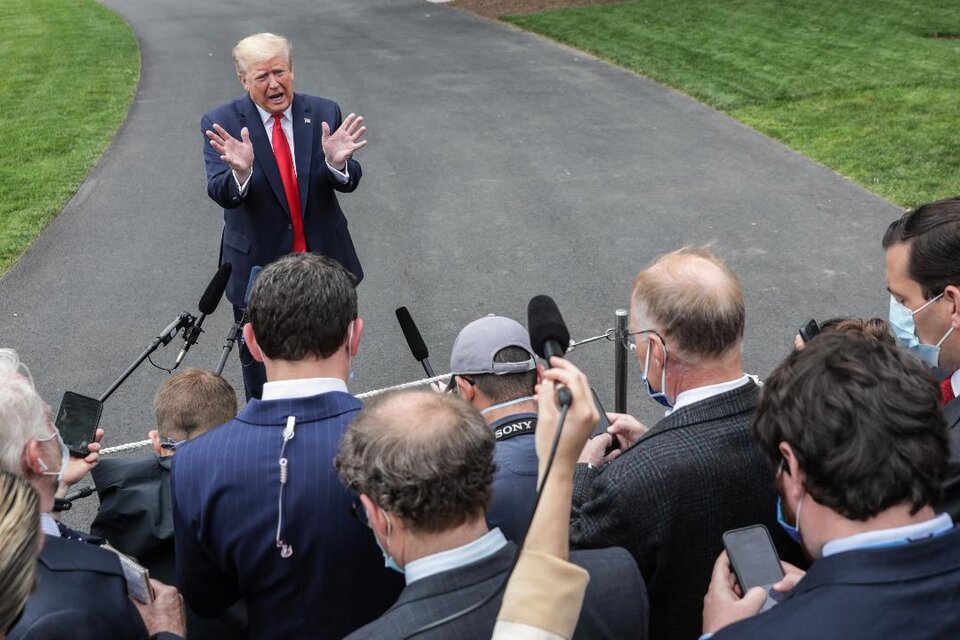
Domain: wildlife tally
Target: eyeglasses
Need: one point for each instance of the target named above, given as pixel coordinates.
(358, 512)
(169, 444)
(629, 340)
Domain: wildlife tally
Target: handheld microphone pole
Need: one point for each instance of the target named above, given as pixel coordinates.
(414, 340)
(549, 336)
(236, 331)
(184, 320)
(208, 304)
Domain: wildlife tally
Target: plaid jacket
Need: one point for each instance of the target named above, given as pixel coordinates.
(669, 498)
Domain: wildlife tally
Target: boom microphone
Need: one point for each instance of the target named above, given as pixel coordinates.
(414, 340)
(548, 335)
(208, 304)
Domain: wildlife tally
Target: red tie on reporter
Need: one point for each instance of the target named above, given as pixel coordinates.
(946, 391)
(281, 149)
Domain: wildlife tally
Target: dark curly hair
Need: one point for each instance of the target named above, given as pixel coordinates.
(422, 456)
(864, 421)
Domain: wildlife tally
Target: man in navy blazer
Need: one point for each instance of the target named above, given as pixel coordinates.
(422, 465)
(259, 512)
(854, 429)
(271, 209)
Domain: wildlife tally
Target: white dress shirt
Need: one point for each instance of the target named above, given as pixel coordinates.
(691, 396)
(302, 388)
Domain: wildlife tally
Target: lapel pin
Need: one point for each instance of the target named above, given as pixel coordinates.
(306, 121)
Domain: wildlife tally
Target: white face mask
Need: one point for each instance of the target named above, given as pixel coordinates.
(64, 457)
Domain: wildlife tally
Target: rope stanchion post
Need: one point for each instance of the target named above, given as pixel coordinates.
(620, 362)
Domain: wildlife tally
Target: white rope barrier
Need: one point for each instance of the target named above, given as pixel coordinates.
(367, 394)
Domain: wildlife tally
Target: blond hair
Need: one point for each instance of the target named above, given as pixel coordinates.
(695, 300)
(261, 47)
(192, 402)
(19, 545)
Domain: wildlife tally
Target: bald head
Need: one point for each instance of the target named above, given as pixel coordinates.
(694, 299)
(424, 457)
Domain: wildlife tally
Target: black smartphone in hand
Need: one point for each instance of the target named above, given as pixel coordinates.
(809, 330)
(753, 559)
(77, 421)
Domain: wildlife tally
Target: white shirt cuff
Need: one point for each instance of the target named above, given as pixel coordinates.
(342, 177)
(242, 188)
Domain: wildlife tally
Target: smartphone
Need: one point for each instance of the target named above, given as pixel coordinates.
(753, 558)
(809, 330)
(603, 424)
(77, 421)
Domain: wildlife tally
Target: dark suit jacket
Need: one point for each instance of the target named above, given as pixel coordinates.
(907, 591)
(81, 594)
(514, 481)
(256, 227)
(226, 486)
(615, 605)
(669, 498)
(951, 485)
(136, 517)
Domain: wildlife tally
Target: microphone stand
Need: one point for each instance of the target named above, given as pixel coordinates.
(182, 321)
(235, 332)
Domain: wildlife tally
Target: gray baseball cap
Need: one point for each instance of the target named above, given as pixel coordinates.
(478, 342)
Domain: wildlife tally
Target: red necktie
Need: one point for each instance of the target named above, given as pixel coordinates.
(946, 391)
(281, 149)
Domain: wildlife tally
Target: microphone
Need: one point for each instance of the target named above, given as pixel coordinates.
(208, 304)
(414, 340)
(253, 276)
(548, 335)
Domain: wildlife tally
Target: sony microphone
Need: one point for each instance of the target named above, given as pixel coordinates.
(414, 340)
(548, 335)
(208, 304)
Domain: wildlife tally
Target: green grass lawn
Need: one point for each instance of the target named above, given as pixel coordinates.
(858, 85)
(70, 69)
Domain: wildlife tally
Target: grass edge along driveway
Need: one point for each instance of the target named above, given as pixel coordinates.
(869, 88)
(71, 69)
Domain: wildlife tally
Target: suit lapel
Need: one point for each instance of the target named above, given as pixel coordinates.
(303, 124)
(952, 413)
(263, 152)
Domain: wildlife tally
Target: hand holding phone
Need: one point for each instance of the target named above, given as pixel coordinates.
(754, 560)
(77, 421)
(809, 330)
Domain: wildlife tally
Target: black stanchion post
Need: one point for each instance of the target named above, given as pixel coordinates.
(620, 362)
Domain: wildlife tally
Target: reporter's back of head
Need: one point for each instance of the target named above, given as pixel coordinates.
(854, 428)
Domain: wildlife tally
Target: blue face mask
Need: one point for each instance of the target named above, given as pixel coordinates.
(792, 530)
(388, 560)
(659, 396)
(905, 329)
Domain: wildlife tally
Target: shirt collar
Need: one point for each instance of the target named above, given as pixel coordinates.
(302, 388)
(890, 537)
(266, 117)
(691, 396)
(481, 548)
(49, 525)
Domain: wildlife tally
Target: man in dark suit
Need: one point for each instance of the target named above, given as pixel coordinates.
(278, 191)
(259, 512)
(422, 465)
(855, 432)
(923, 277)
(676, 488)
(81, 590)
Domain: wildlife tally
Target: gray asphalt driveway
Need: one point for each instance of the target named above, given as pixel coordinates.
(499, 166)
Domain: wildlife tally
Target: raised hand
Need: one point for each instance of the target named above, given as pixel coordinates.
(238, 154)
(339, 146)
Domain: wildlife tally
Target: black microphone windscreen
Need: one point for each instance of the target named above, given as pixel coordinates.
(211, 297)
(414, 340)
(253, 276)
(546, 325)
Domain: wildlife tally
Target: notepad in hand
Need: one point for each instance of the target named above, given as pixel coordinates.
(137, 576)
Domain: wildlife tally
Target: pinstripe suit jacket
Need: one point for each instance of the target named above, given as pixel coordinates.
(669, 498)
(226, 487)
(614, 606)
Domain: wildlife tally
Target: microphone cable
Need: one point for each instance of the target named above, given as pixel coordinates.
(503, 585)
